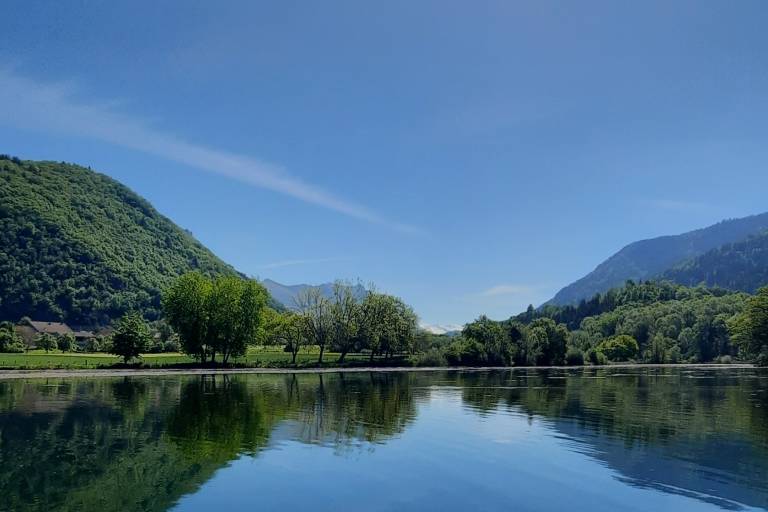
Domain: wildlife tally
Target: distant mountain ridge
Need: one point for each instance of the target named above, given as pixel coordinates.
(656, 257)
(447, 329)
(287, 294)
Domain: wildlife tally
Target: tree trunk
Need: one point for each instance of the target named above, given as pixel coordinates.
(320, 359)
(342, 356)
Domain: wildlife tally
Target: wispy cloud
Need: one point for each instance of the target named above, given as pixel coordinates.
(678, 205)
(56, 108)
(291, 263)
(508, 289)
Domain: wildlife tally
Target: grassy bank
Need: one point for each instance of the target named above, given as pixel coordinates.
(255, 358)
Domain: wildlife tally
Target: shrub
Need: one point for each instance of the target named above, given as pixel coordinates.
(725, 359)
(596, 357)
(16, 347)
(172, 345)
(574, 357)
(432, 357)
(10, 341)
(762, 358)
(673, 355)
(465, 353)
(619, 348)
(92, 345)
(66, 343)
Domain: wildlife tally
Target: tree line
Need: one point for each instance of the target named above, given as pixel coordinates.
(216, 319)
(647, 322)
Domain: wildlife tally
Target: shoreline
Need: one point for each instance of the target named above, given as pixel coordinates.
(150, 372)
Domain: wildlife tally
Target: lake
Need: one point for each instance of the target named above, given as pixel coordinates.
(603, 439)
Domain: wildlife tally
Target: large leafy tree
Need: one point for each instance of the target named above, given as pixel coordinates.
(215, 316)
(235, 309)
(318, 320)
(186, 308)
(346, 316)
(494, 338)
(131, 337)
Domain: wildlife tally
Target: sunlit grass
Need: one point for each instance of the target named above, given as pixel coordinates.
(256, 356)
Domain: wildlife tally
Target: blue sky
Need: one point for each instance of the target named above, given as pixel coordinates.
(471, 157)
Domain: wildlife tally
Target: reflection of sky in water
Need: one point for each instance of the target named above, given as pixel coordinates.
(597, 440)
(458, 457)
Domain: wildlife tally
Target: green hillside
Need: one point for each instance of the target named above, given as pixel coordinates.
(78, 246)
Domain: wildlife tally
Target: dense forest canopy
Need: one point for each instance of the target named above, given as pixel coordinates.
(635, 294)
(646, 322)
(80, 247)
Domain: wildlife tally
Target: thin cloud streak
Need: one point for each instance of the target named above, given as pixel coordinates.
(290, 263)
(678, 205)
(53, 107)
(508, 289)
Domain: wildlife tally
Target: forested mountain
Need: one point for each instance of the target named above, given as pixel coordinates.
(78, 246)
(650, 258)
(736, 266)
(286, 295)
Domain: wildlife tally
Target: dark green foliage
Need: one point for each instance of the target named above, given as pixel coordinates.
(46, 341)
(544, 343)
(574, 357)
(465, 352)
(649, 322)
(66, 342)
(10, 341)
(131, 337)
(635, 294)
(433, 357)
(648, 258)
(739, 266)
(619, 348)
(696, 326)
(79, 247)
(498, 348)
(750, 329)
(215, 316)
(487, 342)
(596, 357)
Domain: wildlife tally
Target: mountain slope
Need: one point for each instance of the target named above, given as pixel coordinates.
(287, 294)
(741, 266)
(78, 246)
(649, 258)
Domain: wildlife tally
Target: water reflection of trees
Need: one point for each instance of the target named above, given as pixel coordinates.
(140, 444)
(698, 434)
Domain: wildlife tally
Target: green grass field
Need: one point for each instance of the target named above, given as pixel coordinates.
(256, 357)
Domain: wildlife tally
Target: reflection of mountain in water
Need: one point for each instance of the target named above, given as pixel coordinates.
(141, 444)
(696, 469)
(695, 434)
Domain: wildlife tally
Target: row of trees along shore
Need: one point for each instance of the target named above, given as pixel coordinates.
(650, 322)
(216, 319)
(222, 316)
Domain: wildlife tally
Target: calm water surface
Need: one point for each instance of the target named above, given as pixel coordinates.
(605, 439)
